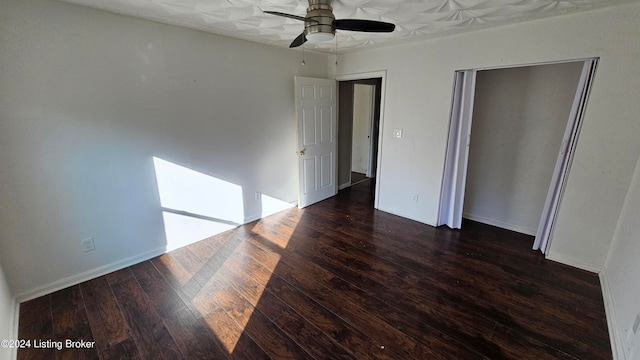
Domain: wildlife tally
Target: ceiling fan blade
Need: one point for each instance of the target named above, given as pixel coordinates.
(295, 17)
(364, 25)
(301, 39)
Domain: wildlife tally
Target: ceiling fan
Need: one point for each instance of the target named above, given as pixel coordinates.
(320, 24)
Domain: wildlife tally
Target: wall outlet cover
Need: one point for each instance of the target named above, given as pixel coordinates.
(88, 244)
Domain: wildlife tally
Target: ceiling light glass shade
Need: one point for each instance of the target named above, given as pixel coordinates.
(317, 37)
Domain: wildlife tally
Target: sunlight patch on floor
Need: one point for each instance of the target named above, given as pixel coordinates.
(221, 291)
(249, 265)
(270, 229)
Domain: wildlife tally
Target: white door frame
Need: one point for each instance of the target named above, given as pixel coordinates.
(370, 161)
(456, 158)
(369, 75)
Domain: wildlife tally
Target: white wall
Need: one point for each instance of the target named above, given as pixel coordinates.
(621, 276)
(519, 119)
(88, 98)
(418, 99)
(8, 310)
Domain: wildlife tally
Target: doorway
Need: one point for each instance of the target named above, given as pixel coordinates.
(514, 151)
(359, 103)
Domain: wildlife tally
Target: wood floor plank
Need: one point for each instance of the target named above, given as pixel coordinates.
(317, 343)
(151, 336)
(124, 350)
(70, 322)
(107, 323)
(340, 330)
(194, 339)
(161, 295)
(266, 334)
(36, 325)
(232, 337)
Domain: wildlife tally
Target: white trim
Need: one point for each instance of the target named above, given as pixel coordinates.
(13, 354)
(372, 126)
(88, 275)
(617, 347)
(407, 216)
(382, 74)
(501, 224)
(574, 263)
(498, 67)
(344, 186)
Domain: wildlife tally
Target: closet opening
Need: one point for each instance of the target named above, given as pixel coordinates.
(511, 140)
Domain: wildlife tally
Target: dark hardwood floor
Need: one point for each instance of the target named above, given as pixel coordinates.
(357, 178)
(337, 280)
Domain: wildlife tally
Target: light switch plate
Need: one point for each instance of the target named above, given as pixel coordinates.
(397, 133)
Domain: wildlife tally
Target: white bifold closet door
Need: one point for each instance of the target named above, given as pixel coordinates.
(558, 180)
(455, 169)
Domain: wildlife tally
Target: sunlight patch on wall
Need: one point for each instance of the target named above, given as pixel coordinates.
(195, 205)
(271, 205)
(182, 230)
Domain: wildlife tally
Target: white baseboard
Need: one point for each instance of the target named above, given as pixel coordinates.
(406, 216)
(617, 347)
(88, 275)
(501, 224)
(344, 186)
(103, 270)
(573, 263)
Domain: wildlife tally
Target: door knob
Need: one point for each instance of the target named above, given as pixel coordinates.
(301, 152)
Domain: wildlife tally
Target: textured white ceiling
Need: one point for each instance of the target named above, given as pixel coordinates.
(414, 19)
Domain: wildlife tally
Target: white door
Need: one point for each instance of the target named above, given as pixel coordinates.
(317, 134)
(549, 212)
(455, 170)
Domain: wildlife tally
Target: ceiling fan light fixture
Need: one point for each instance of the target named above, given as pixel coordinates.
(318, 37)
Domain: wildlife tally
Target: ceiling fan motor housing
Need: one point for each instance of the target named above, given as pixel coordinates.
(321, 12)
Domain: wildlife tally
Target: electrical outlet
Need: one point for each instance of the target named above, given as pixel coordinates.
(258, 195)
(415, 198)
(88, 244)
